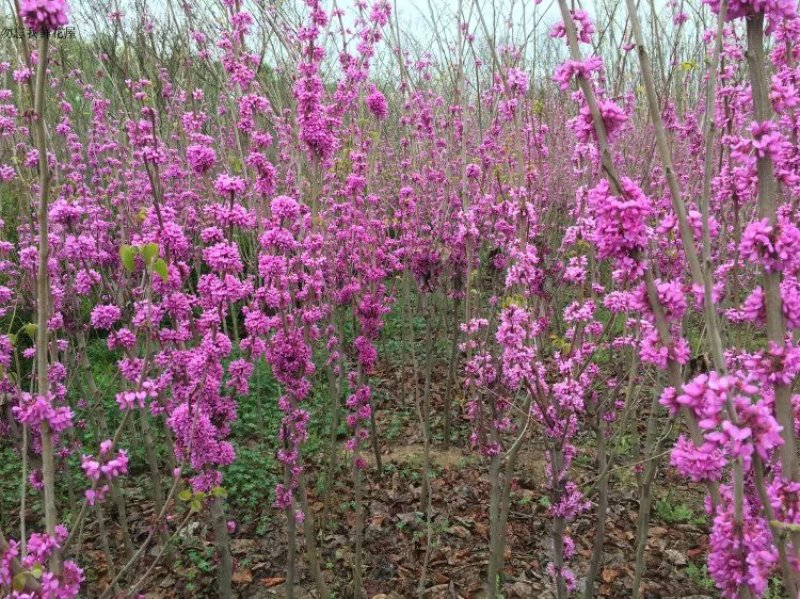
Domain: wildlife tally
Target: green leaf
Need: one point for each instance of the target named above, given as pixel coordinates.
(160, 268)
(127, 254)
(150, 253)
(185, 495)
(220, 492)
(30, 330)
(36, 571)
(195, 505)
(515, 300)
(19, 580)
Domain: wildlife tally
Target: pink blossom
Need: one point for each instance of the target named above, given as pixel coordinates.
(43, 15)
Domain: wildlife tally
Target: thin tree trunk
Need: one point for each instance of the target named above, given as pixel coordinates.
(504, 506)
(559, 524)
(373, 433)
(291, 533)
(333, 446)
(451, 373)
(358, 587)
(767, 208)
(43, 301)
(310, 534)
(223, 543)
(494, 525)
(152, 460)
(426, 402)
(645, 497)
(101, 529)
(602, 504)
(23, 508)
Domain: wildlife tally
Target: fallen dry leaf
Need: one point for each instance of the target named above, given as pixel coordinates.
(609, 575)
(243, 576)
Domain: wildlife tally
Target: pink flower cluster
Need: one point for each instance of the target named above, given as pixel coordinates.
(621, 220)
(34, 410)
(201, 158)
(583, 26)
(570, 69)
(65, 585)
(103, 466)
(711, 399)
(376, 102)
(105, 316)
(737, 9)
(612, 115)
(776, 247)
(43, 15)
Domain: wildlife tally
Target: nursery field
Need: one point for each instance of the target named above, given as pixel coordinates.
(390, 299)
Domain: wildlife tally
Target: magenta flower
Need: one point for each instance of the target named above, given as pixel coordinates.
(376, 102)
(621, 222)
(742, 8)
(704, 463)
(776, 247)
(226, 184)
(201, 158)
(518, 82)
(43, 15)
(104, 317)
